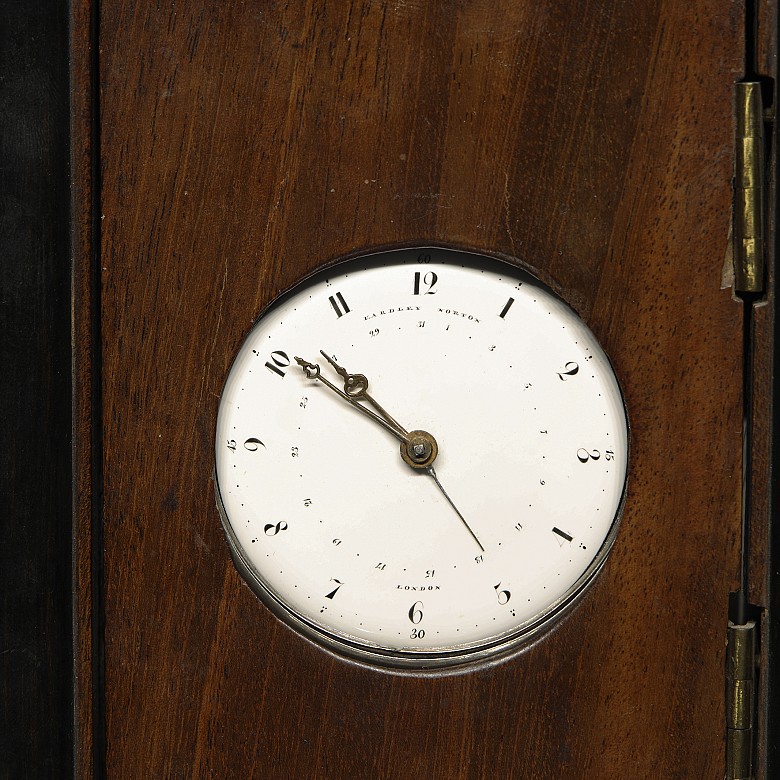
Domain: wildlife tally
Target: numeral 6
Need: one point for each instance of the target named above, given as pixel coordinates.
(415, 612)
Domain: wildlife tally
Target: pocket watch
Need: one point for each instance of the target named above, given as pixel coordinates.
(421, 458)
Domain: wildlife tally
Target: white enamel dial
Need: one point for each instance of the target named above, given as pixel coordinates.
(460, 558)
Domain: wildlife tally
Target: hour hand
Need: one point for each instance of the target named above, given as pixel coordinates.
(312, 370)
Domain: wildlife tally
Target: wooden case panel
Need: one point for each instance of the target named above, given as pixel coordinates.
(245, 144)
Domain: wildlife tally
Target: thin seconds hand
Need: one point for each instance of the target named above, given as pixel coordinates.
(457, 511)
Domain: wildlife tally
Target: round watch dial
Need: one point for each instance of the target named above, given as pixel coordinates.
(421, 457)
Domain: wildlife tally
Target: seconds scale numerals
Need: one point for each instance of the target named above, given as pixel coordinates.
(397, 478)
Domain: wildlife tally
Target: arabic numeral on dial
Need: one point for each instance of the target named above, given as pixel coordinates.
(570, 369)
(429, 280)
(272, 529)
(253, 444)
(424, 258)
(294, 452)
(562, 535)
(583, 455)
(231, 445)
(417, 633)
(507, 307)
(415, 612)
(502, 595)
(429, 573)
(278, 363)
(339, 305)
(479, 558)
(609, 455)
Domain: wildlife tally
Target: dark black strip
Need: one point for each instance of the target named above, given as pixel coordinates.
(739, 609)
(751, 31)
(98, 608)
(36, 606)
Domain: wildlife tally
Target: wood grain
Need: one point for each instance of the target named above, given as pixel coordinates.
(244, 145)
(86, 396)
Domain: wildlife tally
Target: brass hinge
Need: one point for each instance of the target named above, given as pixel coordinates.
(749, 190)
(748, 258)
(740, 700)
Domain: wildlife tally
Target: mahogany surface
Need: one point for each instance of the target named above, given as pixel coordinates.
(244, 144)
